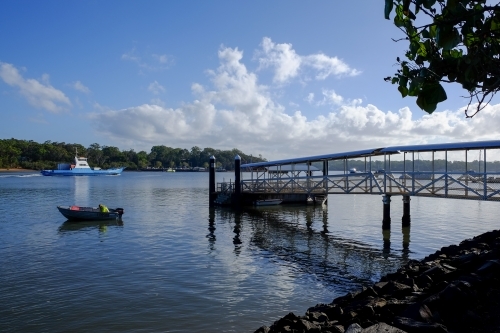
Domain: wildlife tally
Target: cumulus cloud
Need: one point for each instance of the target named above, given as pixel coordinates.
(235, 111)
(149, 62)
(156, 88)
(287, 64)
(80, 87)
(40, 94)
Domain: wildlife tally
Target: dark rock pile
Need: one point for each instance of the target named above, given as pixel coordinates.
(456, 289)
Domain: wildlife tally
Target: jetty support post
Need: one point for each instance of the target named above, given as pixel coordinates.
(406, 211)
(211, 182)
(386, 221)
(237, 179)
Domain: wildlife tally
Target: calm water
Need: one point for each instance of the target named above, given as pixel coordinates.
(174, 265)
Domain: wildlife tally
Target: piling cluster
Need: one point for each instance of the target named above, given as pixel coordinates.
(456, 289)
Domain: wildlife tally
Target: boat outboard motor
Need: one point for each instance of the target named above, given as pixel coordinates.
(119, 211)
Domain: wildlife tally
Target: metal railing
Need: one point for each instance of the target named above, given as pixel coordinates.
(477, 186)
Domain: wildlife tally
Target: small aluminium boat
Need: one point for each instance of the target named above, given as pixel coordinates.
(268, 202)
(77, 213)
(80, 167)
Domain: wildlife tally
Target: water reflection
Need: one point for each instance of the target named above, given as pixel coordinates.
(406, 241)
(102, 226)
(386, 237)
(237, 228)
(81, 190)
(298, 238)
(211, 228)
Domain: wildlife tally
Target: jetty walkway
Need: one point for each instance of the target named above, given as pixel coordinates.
(465, 170)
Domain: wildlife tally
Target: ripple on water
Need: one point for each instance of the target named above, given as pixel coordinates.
(174, 265)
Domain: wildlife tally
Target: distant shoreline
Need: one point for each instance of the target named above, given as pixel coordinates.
(17, 170)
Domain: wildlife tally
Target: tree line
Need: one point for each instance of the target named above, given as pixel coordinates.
(39, 156)
(439, 165)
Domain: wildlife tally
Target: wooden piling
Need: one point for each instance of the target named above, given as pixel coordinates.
(386, 221)
(211, 180)
(406, 211)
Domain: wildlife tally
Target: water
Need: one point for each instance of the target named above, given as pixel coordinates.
(174, 265)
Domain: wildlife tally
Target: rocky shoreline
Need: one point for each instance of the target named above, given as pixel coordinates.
(456, 289)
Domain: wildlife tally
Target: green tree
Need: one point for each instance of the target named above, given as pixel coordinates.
(95, 154)
(453, 41)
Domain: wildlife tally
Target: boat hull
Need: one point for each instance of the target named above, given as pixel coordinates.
(75, 213)
(82, 172)
(268, 202)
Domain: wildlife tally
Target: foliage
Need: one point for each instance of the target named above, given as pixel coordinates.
(453, 41)
(32, 155)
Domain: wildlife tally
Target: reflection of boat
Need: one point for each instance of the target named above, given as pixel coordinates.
(76, 213)
(268, 202)
(69, 226)
(80, 167)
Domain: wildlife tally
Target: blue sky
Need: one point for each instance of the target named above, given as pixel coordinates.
(277, 78)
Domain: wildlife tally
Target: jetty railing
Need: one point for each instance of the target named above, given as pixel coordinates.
(477, 186)
(479, 179)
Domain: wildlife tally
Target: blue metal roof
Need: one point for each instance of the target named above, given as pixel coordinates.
(445, 146)
(329, 157)
(495, 144)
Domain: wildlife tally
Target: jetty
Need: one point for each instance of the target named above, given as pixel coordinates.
(464, 170)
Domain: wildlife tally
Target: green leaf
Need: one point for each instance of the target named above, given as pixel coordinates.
(403, 91)
(414, 87)
(447, 38)
(422, 50)
(406, 7)
(403, 81)
(433, 31)
(456, 53)
(425, 33)
(429, 3)
(388, 9)
(495, 24)
(418, 3)
(431, 94)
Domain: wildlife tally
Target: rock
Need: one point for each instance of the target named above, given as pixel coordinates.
(333, 311)
(413, 326)
(489, 269)
(307, 326)
(396, 289)
(382, 328)
(419, 312)
(317, 317)
(263, 329)
(354, 328)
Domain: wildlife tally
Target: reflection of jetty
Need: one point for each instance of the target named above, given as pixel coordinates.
(298, 180)
(308, 246)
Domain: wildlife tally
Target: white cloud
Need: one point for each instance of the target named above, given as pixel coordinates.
(149, 62)
(288, 64)
(162, 58)
(282, 57)
(329, 66)
(80, 87)
(157, 101)
(310, 98)
(156, 88)
(238, 112)
(331, 97)
(40, 94)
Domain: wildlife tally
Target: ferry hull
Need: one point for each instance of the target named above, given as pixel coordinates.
(83, 172)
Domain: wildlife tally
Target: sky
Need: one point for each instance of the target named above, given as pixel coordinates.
(280, 79)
